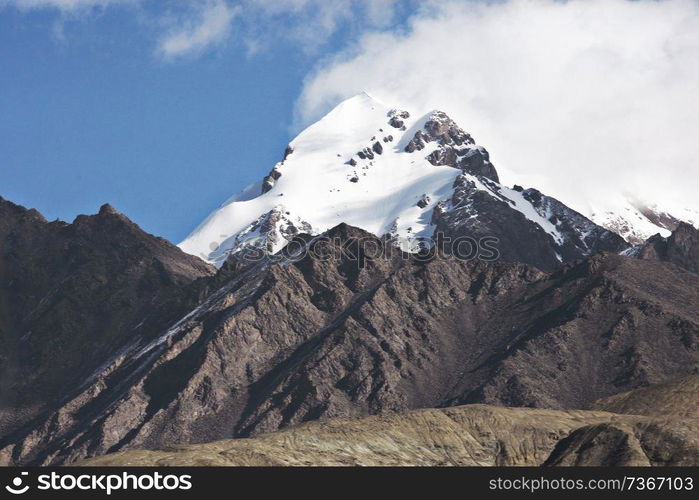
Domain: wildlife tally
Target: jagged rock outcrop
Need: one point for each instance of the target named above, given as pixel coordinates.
(455, 148)
(273, 176)
(270, 179)
(680, 248)
(265, 236)
(460, 436)
(396, 118)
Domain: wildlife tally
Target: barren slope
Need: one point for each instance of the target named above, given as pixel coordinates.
(471, 435)
(677, 398)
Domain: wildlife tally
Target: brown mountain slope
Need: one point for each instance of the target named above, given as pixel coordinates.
(73, 295)
(356, 333)
(603, 325)
(678, 398)
(463, 435)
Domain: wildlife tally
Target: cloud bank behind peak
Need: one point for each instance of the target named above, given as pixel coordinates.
(585, 99)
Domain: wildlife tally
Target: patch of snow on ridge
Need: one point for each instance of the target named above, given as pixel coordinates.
(625, 219)
(529, 211)
(517, 201)
(636, 221)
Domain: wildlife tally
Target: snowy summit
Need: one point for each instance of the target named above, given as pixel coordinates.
(351, 166)
(392, 173)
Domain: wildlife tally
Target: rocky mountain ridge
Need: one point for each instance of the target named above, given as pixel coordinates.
(72, 295)
(349, 332)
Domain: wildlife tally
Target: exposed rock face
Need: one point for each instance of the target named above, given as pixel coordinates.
(424, 201)
(529, 226)
(396, 118)
(348, 331)
(681, 248)
(74, 295)
(580, 235)
(462, 436)
(266, 235)
(455, 147)
(270, 179)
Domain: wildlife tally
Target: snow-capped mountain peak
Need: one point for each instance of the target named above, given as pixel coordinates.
(364, 164)
(390, 172)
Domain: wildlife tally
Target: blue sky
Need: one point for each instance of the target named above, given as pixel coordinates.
(165, 108)
(92, 110)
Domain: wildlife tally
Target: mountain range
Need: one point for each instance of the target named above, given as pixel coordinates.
(336, 288)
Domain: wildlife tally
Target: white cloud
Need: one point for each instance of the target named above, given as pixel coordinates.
(212, 26)
(312, 22)
(191, 27)
(582, 99)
